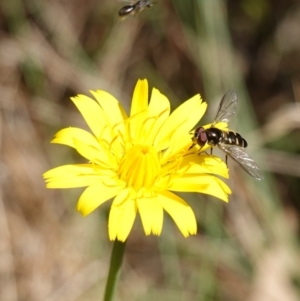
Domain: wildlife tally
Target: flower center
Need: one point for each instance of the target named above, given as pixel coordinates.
(139, 167)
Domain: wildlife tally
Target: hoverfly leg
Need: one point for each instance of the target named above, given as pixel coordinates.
(226, 157)
(211, 150)
(199, 153)
(192, 146)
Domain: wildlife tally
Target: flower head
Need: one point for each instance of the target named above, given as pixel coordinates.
(138, 160)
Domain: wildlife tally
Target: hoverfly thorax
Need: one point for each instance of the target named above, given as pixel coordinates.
(214, 136)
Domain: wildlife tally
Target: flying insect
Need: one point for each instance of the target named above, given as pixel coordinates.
(135, 8)
(232, 143)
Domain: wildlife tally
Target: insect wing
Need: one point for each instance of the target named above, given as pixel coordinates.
(239, 155)
(142, 4)
(227, 107)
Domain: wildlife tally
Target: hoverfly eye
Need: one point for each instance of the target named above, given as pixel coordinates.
(203, 136)
(200, 136)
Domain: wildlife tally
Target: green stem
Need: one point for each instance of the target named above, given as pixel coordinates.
(114, 269)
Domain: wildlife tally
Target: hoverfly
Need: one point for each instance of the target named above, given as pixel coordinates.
(232, 143)
(135, 8)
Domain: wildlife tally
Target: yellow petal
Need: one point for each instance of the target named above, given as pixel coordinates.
(181, 121)
(100, 157)
(114, 112)
(158, 112)
(91, 112)
(151, 212)
(95, 195)
(67, 136)
(121, 216)
(197, 164)
(206, 184)
(176, 147)
(180, 211)
(70, 176)
(139, 106)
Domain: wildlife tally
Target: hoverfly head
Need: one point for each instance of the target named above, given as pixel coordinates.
(200, 136)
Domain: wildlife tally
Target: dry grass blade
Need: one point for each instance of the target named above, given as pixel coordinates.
(281, 122)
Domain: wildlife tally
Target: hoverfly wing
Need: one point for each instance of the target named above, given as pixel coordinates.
(239, 155)
(227, 107)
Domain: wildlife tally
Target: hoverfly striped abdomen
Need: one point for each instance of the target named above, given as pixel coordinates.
(233, 138)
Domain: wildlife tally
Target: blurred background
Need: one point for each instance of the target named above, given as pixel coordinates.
(247, 250)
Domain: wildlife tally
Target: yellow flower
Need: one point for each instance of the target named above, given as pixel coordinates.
(138, 160)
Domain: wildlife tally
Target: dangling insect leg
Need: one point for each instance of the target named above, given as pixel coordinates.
(226, 157)
(192, 146)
